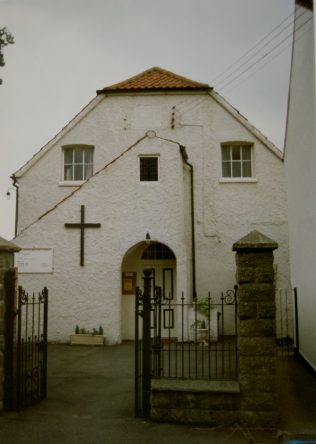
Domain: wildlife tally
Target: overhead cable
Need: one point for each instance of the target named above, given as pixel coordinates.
(266, 63)
(252, 48)
(263, 56)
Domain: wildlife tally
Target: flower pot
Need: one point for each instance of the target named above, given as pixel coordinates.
(202, 336)
(86, 339)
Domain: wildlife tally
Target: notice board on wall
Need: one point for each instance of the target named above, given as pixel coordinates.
(34, 260)
(128, 282)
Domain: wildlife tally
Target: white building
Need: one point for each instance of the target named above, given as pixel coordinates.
(158, 156)
(300, 162)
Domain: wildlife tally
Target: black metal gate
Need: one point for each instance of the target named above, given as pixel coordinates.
(142, 344)
(287, 328)
(182, 339)
(25, 345)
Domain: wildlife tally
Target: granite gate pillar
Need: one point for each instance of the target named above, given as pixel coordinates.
(256, 329)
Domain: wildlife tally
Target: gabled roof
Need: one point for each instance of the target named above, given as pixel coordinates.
(156, 79)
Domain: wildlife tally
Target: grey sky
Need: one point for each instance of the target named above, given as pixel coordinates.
(67, 49)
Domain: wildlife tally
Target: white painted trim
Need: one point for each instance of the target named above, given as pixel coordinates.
(71, 183)
(238, 180)
(149, 154)
(147, 183)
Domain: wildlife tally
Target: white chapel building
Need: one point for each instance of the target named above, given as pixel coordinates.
(157, 171)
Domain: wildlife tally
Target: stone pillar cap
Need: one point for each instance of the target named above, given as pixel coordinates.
(255, 240)
(6, 245)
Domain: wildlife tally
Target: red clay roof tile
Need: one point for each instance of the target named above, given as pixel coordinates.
(156, 79)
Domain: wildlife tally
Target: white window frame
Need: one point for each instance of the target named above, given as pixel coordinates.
(73, 164)
(241, 178)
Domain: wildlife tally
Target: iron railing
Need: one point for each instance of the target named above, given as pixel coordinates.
(25, 350)
(190, 340)
(31, 368)
(182, 340)
(286, 321)
(194, 340)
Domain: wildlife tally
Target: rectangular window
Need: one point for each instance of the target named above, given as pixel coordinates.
(167, 283)
(148, 169)
(78, 163)
(236, 160)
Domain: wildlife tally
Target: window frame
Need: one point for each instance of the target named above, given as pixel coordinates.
(83, 164)
(148, 156)
(240, 161)
(157, 251)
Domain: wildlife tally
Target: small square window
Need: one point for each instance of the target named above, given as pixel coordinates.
(236, 160)
(148, 169)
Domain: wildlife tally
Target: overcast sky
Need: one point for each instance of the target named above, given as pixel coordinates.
(67, 49)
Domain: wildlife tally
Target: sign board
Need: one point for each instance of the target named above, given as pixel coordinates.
(34, 260)
(128, 282)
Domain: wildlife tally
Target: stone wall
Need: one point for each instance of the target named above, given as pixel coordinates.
(7, 250)
(211, 403)
(250, 401)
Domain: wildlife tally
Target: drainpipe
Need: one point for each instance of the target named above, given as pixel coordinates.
(185, 160)
(16, 185)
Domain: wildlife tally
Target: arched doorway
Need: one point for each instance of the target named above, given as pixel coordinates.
(161, 259)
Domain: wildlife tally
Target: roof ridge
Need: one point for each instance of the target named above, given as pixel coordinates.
(156, 78)
(181, 77)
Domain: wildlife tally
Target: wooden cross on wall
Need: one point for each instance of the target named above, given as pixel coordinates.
(82, 225)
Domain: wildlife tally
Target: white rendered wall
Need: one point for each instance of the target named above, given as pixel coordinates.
(127, 209)
(300, 161)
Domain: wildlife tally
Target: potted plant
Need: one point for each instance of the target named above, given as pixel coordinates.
(86, 337)
(201, 325)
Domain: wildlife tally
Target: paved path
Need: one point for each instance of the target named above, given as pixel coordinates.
(90, 401)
